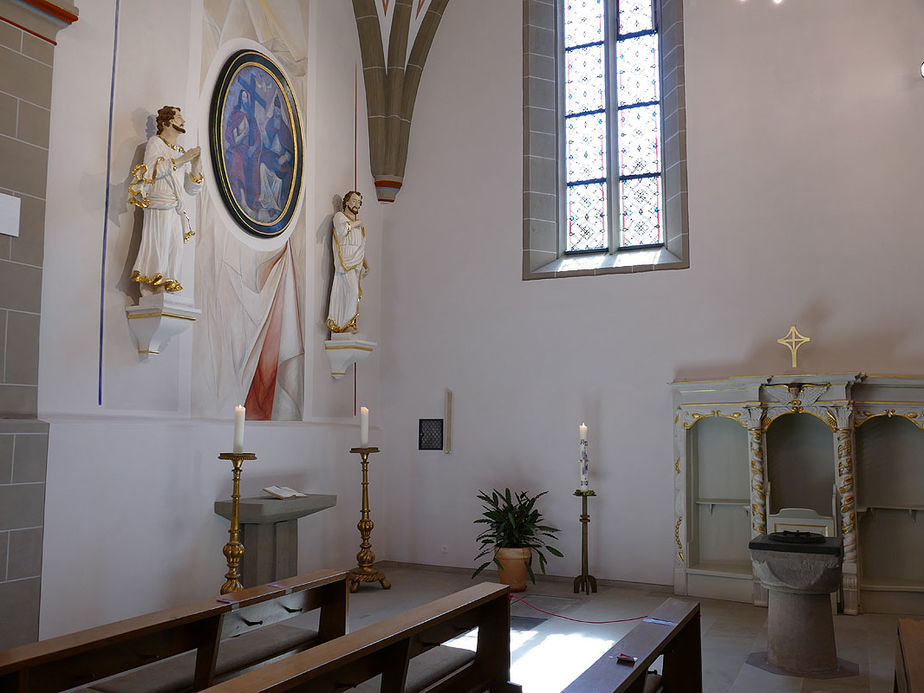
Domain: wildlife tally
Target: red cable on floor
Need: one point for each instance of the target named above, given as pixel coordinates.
(576, 620)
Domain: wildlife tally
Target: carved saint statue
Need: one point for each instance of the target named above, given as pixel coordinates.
(157, 187)
(349, 251)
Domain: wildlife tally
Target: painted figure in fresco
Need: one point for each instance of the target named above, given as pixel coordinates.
(277, 162)
(157, 187)
(349, 251)
(243, 145)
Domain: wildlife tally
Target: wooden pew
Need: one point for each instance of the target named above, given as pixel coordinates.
(97, 653)
(909, 656)
(393, 647)
(672, 630)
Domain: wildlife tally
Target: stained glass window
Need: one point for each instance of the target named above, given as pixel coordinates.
(612, 125)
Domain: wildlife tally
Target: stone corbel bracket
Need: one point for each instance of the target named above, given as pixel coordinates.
(391, 89)
(343, 353)
(157, 319)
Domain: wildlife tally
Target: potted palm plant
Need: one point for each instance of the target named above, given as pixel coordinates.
(514, 530)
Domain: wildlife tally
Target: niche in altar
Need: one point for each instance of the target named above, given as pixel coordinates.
(838, 454)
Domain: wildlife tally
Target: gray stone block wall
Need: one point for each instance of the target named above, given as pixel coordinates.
(25, 101)
(25, 109)
(23, 456)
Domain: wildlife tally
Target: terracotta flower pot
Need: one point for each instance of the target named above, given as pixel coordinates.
(513, 567)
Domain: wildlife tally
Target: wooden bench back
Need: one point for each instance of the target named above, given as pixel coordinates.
(78, 658)
(387, 647)
(672, 630)
(909, 656)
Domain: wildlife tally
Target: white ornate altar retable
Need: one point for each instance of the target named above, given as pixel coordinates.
(843, 402)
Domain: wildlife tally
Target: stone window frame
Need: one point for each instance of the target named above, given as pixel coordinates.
(543, 204)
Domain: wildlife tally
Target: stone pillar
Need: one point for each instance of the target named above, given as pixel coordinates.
(758, 491)
(27, 39)
(843, 446)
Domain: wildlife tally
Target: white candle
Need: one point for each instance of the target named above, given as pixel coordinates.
(363, 427)
(239, 412)
(582, 457)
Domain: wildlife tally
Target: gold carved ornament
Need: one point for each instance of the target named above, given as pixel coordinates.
(169, 285)
(677, 539)
(135, 196)
(795, 407)
(862, 416)
(758, 521)
(734, 416)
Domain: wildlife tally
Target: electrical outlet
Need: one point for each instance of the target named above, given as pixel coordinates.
(444, 549)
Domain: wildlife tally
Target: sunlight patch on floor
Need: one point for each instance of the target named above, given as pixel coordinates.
(550, 665)
(469, 640)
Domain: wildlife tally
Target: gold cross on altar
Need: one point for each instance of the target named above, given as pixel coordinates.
(793, 340)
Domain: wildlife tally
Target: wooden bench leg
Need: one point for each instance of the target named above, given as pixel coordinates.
(493, 649)
(333, 616)
(207, 653)
(394, 676)
(683, 661)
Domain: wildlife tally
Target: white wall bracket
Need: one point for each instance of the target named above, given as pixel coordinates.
(342, 352)
(157, 319)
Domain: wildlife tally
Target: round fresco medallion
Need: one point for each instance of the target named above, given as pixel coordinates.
(256, 143)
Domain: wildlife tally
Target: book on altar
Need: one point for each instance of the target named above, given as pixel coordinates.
(284, 492)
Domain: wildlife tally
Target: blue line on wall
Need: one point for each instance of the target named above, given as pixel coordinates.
(102, 271)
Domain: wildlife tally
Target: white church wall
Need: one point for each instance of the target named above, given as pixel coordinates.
(337, 166)
(70, 347)
(129, 523)
(804, 154)
(131, 528)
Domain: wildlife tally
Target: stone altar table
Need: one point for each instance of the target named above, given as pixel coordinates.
(799, 577)
(270, 533)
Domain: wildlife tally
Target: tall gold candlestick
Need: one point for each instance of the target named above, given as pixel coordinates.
(364, 572)
(234, 549)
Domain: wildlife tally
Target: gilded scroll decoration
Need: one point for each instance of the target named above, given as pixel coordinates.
(677, 538)
(696, 416)
(758, 492)
(861, 416)
(845, 491)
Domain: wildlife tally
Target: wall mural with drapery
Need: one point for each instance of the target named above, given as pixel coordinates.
(249, 345)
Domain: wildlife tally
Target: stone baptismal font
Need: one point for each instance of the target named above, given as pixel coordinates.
(800, 570)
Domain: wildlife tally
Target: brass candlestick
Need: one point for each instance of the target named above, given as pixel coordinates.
(364, 572)
(585, 581)
(234, 550)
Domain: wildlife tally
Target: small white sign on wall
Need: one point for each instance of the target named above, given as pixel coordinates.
(9, 215)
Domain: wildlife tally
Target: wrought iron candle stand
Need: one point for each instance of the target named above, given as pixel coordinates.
(234, 549)
(585, 581)
(364, 572)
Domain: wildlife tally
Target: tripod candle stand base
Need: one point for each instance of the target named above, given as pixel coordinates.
(585, 582)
